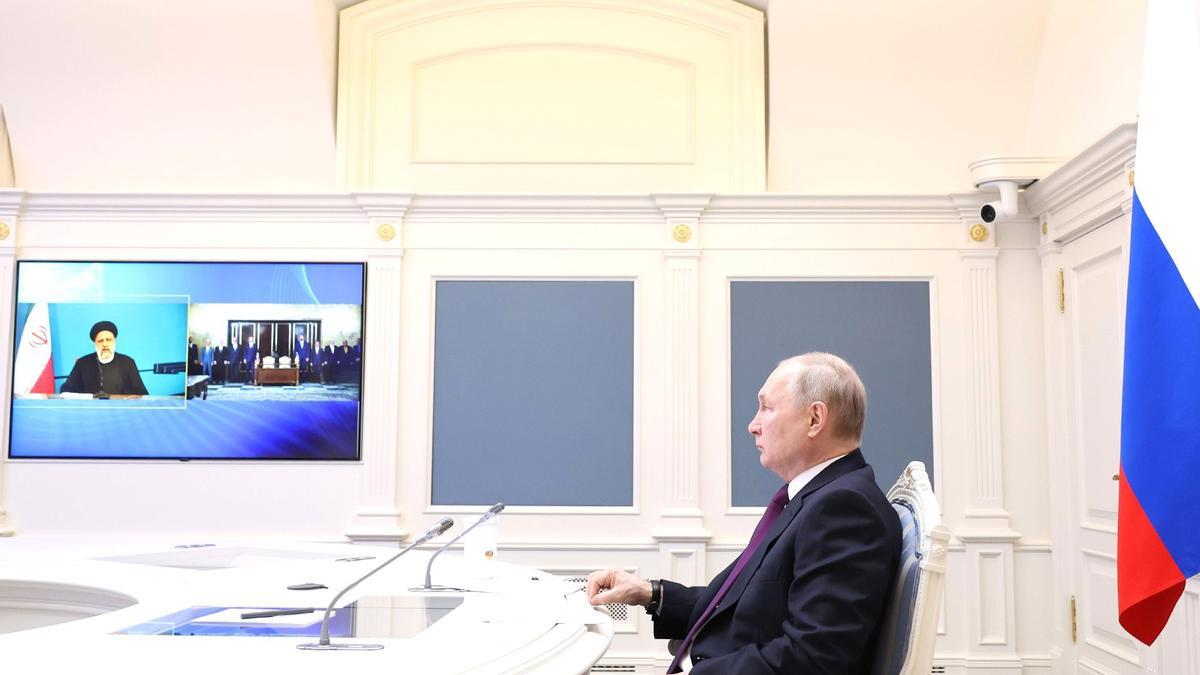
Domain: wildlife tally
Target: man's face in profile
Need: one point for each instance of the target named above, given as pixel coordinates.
(106, 346)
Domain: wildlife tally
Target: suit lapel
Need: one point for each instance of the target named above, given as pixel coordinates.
(841, 467)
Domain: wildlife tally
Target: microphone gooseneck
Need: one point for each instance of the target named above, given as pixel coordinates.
(487, 515)
(323, 643)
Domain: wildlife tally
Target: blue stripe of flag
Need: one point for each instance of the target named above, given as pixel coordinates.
(1160, 408)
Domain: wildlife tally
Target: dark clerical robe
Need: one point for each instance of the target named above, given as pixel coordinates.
(119, 376)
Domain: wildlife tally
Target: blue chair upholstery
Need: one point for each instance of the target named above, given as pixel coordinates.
(910, 622)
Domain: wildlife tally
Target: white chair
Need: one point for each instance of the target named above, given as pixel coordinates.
(910, 621)
(285, 362)
(268, 362)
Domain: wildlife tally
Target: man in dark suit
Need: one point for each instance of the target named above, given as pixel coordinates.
(303, 352)
(237, 352)
(329, 363)
(318, 361)
(249, 360)
(105, 372)
(193, 364)
(221, 364)
(807, 593)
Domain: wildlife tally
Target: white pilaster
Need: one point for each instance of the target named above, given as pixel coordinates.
(10, 204)
(680, 532)
(378, 516)
(987, 536)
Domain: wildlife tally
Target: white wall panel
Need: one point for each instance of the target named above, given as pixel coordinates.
(612, 95)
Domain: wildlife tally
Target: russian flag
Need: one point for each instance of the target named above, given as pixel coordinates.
(1158, 524)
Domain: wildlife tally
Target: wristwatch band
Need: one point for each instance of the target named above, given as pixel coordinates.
(655, 596)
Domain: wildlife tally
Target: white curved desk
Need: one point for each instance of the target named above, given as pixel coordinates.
(521, 621)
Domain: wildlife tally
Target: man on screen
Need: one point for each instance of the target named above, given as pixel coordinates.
(105, 372)
(207, 355)
(303, 354)
(249, 360)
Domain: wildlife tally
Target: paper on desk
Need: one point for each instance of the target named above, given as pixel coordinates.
(234, 615)
(535, 608)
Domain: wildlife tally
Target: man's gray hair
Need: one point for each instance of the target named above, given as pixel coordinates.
(820, 376)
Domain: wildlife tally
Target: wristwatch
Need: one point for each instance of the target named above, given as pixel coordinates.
(655, 596)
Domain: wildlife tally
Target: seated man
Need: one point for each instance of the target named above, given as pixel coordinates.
(807, 593)
(105, 372)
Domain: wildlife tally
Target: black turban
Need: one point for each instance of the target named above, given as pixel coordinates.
(103, 325)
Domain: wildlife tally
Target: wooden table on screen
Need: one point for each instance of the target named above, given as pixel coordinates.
(277, 376)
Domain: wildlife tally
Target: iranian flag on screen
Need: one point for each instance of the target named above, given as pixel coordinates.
(33, 372)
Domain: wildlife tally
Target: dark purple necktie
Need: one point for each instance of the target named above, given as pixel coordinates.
(764, 525)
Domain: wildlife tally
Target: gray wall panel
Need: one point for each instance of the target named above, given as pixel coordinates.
(880, 327)
(533, 393)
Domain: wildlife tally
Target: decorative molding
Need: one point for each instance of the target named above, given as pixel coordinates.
(1089, 190)
(190, 208)
(992, 635)
(902, 223)
(979, 232)
(683, 563)
(683, 207)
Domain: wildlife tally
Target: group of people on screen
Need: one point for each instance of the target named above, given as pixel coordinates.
(235, 362)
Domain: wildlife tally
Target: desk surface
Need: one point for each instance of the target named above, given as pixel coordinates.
(519, 621)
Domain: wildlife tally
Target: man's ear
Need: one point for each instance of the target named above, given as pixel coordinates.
(818, 418)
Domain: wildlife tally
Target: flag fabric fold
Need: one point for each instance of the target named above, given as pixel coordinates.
(33, 370)
(1159, 502)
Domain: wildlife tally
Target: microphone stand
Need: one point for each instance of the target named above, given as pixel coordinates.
(324, 644)
(429, 587)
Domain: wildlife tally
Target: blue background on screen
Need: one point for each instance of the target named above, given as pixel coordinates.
(196, 429)
(148, 301)
(277, 283)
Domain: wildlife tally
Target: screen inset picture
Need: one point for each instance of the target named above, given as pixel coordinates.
(187, 360)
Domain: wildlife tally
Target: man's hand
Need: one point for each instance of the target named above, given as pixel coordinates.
(614, 586)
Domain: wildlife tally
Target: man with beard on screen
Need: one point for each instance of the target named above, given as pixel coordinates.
(105, 372)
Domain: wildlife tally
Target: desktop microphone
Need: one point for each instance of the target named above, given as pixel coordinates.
(100, 369)
(487, 515)
(323, 643)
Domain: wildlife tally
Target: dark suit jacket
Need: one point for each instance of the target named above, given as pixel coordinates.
(810, 599)
(122, 378)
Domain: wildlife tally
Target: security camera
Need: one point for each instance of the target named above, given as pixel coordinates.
(1005, 207)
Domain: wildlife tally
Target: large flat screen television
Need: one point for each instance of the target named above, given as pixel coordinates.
(187, 360)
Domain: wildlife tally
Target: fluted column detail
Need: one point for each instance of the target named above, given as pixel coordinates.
(378, 516)
(681, 531)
